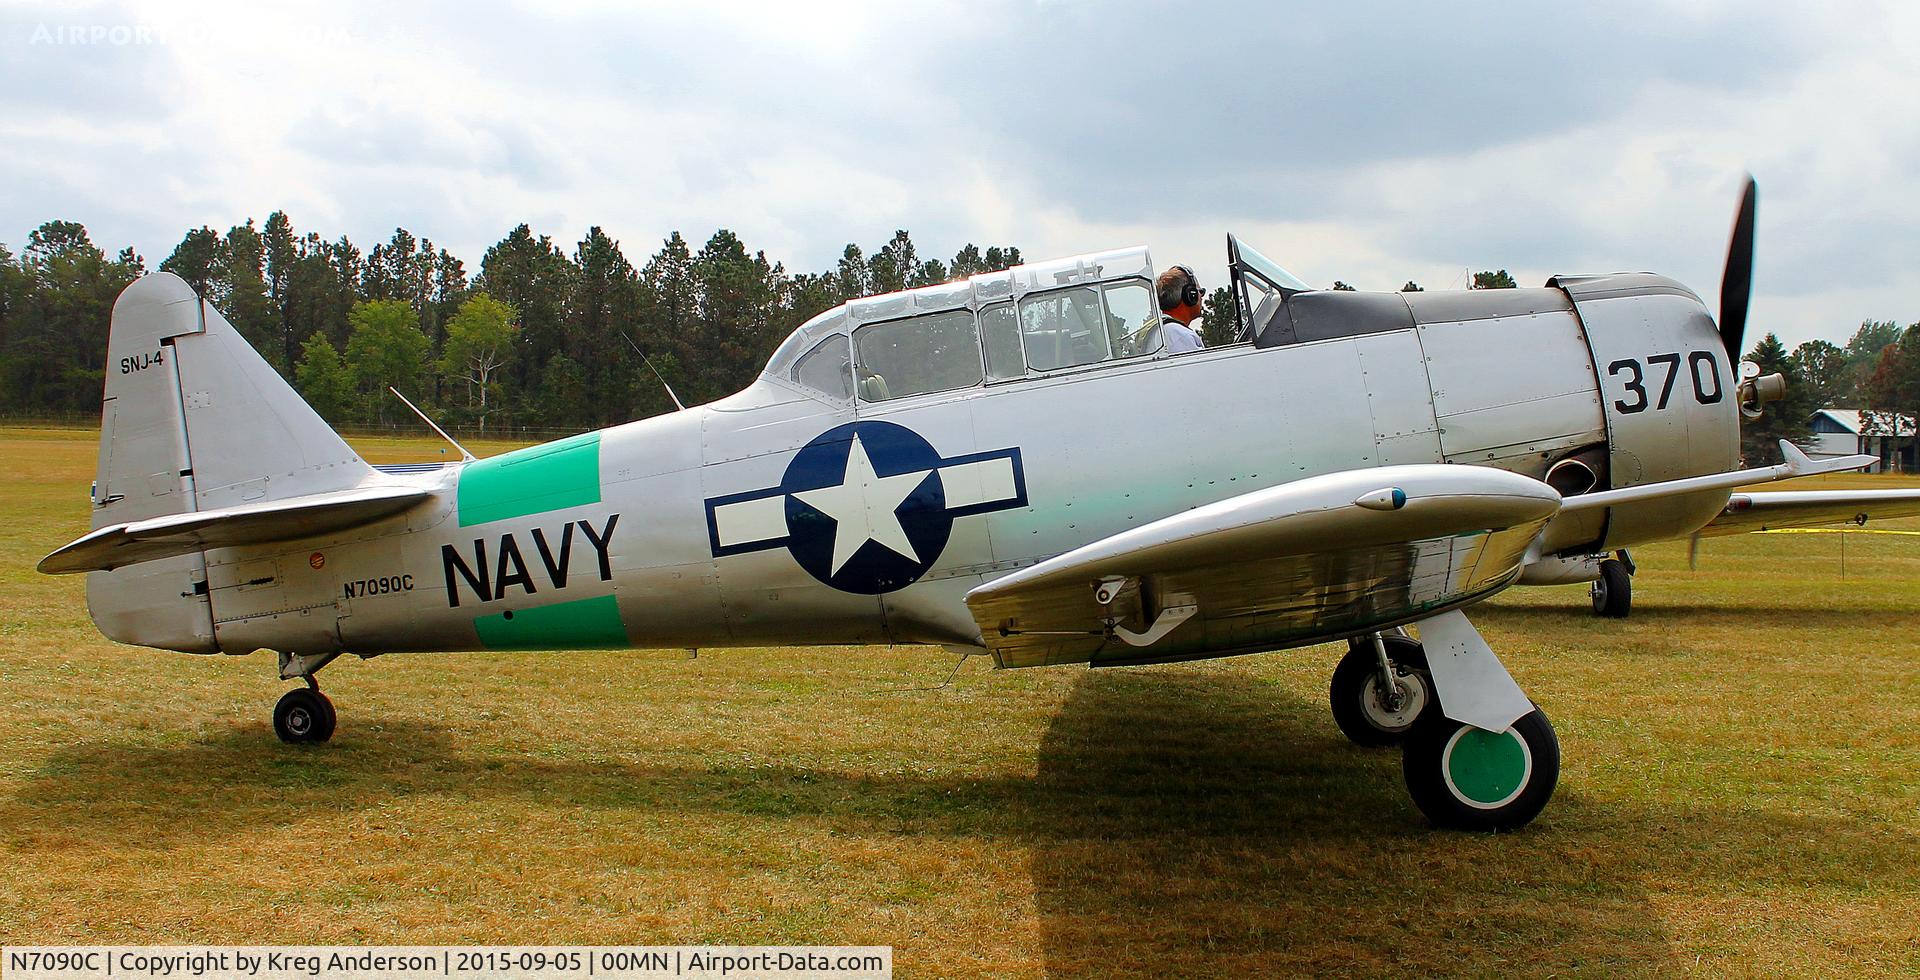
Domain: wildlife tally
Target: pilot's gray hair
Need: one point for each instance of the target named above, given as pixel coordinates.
(1171, 284)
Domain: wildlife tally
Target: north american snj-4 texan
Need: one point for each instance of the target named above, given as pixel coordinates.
(1012, 465)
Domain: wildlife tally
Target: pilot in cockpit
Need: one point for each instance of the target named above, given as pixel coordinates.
(1179, 293)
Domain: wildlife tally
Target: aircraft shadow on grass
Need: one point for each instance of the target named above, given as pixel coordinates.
(1694, 616)
(1182, 821)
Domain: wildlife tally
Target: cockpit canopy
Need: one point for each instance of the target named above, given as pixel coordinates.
(1037, 319)
(1034, 320)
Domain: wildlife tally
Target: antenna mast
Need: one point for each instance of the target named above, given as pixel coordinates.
(464, 455)
(656, 372)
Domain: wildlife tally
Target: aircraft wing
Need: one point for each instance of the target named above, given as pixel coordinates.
(1808, 508)
(1300, 563)
(273, 520)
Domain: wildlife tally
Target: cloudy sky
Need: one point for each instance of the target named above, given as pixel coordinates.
(1372, 142)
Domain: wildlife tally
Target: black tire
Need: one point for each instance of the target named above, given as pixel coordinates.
(1354, 692)
(1501, 784)
(304, 717)
(1613, 590)
(325, 732)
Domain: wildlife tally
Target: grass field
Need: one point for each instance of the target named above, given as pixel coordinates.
(1740, 794)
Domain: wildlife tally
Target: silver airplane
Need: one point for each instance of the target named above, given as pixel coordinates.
(1010, 465)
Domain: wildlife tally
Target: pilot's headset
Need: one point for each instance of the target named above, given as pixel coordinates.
(1189, 293)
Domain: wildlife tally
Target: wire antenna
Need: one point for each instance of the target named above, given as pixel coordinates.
(943, 685)
(656, 372)
(464, 455)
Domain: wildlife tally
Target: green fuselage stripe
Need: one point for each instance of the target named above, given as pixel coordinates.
(584, 624)
(550, 476)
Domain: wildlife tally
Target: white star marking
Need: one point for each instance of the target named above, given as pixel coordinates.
(863, 508)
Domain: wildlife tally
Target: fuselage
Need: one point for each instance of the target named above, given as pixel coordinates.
(790, 514)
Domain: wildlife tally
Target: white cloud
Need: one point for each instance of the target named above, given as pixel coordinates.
(1372, 143)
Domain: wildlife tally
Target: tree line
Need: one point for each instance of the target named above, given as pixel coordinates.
(539, 336)
(545, 337)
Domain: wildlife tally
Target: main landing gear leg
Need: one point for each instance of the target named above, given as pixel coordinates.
(1487, 759)
(304, 715)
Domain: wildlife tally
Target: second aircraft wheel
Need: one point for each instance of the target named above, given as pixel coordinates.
(304, 716)
(1613, 590)
(1360, 705)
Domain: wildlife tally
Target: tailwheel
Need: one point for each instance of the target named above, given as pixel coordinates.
(304, 716)
(1613, 590)
(1467, 778)
(1369, 711)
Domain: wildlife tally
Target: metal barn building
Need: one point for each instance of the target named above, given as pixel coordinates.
(1845, 431)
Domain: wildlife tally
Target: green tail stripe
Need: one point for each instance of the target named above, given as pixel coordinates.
(583, 624)
(550, 476)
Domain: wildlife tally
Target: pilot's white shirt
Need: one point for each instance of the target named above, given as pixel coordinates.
(1180, 337)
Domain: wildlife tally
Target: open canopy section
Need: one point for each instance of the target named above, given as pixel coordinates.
(1260, 286)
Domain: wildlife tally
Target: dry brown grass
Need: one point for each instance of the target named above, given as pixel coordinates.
(1739, 797)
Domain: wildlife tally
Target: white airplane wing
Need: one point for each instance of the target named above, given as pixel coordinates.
(1809, 508)
(1299, 563)
(272, 520)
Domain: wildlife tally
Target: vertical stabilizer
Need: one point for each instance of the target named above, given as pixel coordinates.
(191, 419)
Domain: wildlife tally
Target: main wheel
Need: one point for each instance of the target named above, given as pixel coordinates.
(1467, 778)
(304, 716)
(1359, 704)
(1613, 590)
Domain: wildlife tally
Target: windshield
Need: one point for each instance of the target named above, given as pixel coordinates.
(802, 340)
(1266, 268)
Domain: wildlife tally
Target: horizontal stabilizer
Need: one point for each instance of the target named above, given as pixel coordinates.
(244, 524)
(1811, 508)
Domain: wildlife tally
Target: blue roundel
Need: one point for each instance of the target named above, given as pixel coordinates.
(866, 507)
(866, 512)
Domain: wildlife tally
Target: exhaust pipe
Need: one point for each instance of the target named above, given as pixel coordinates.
(1572, 477)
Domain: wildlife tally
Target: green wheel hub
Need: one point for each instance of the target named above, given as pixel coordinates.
(1486, 769)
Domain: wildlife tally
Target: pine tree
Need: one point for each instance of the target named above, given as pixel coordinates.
(602, 306)
(241, 288)
(533, 276)
(893, 266)
(196, 260)
(852, 278)
(1221, 321)
(1789, 418)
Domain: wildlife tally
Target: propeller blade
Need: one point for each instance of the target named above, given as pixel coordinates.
(1737, 285)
